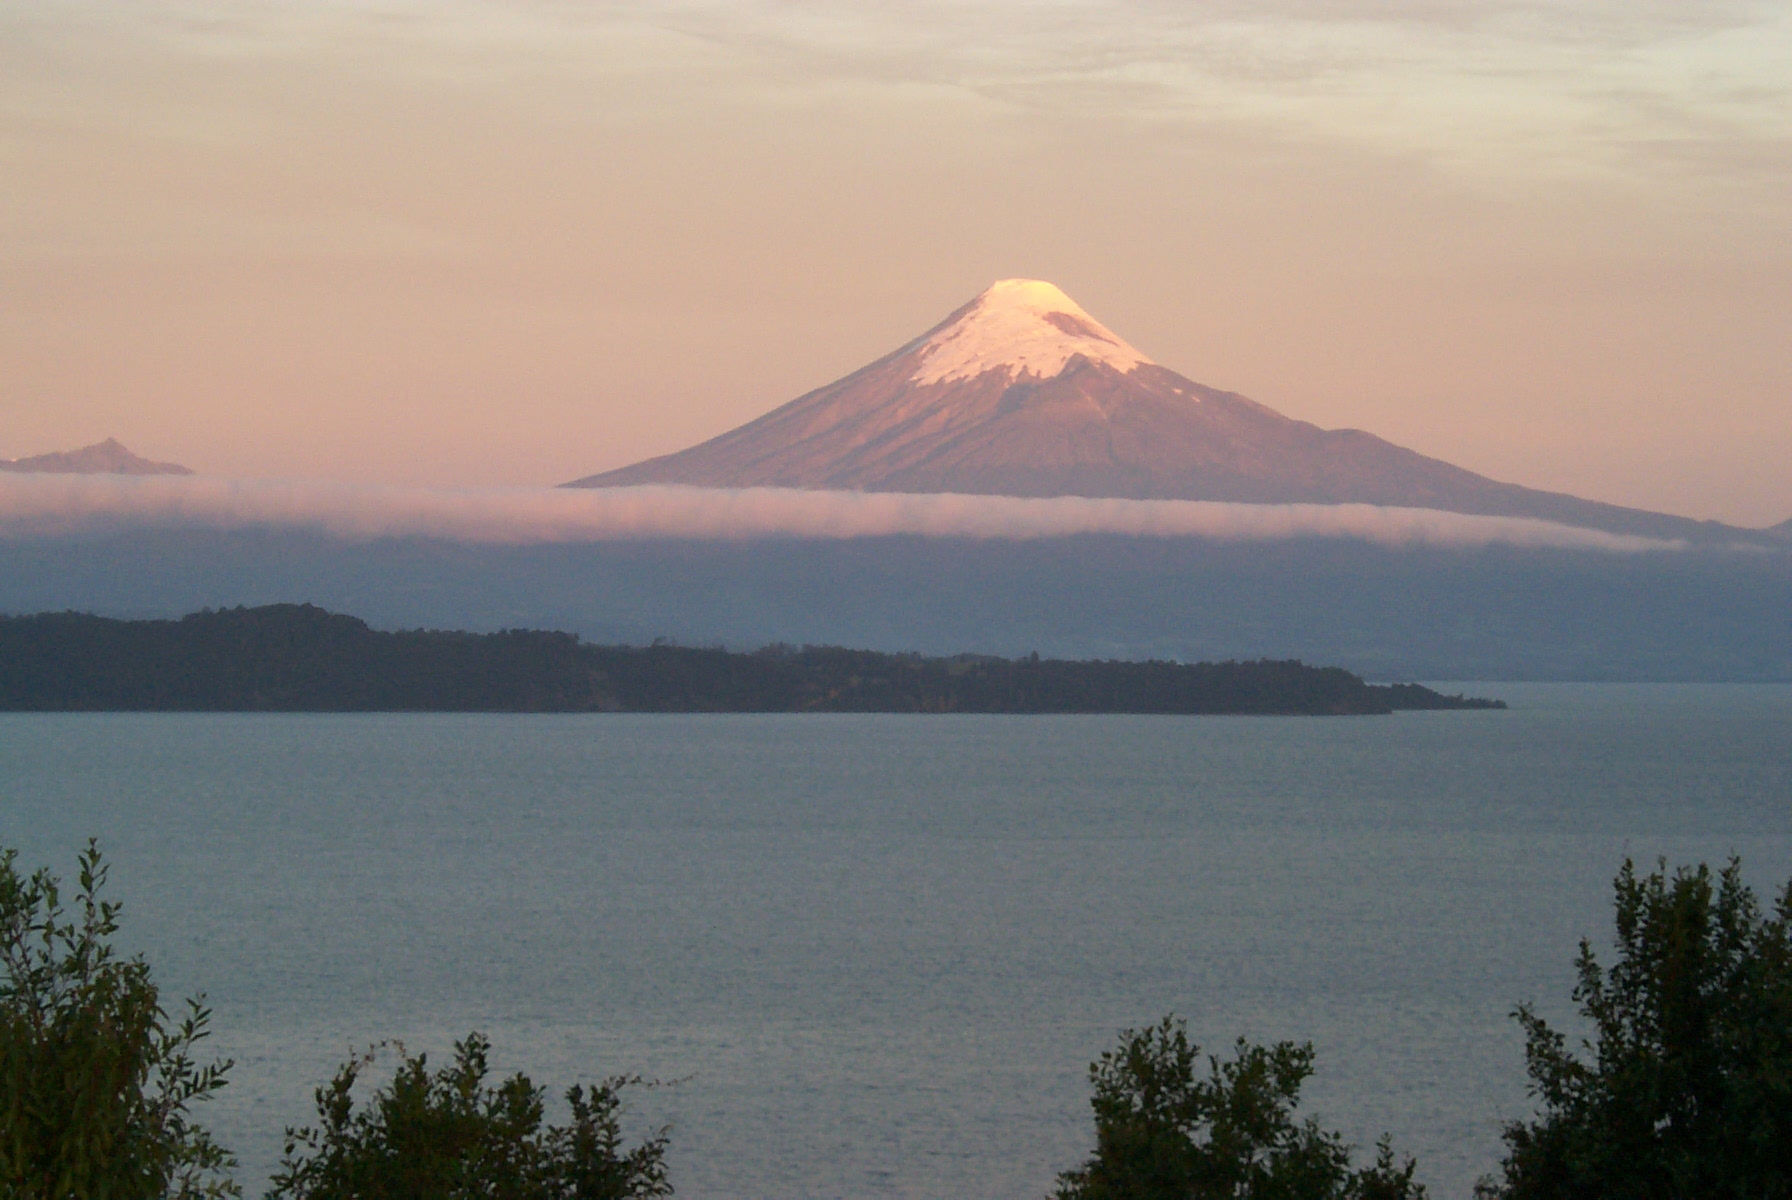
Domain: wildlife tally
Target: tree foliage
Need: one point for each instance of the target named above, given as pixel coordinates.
(96, 1080)
(450, 1136)
(1685, 1086)
(1164, 1133)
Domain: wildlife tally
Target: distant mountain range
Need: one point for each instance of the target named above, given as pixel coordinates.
(101, 458)
(1022, 393)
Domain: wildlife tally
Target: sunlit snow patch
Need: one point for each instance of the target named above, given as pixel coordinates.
(1020, 326)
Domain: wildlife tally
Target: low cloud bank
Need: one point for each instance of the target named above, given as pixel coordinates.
(42, 505)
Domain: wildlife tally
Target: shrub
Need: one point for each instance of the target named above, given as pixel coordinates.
(449, 1136)
(95, 1079)
(1161, 1133)
(1686, 1084)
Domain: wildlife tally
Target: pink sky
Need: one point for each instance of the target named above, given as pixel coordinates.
(488, 244)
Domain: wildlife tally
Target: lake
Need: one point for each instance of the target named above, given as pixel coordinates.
(877, 953)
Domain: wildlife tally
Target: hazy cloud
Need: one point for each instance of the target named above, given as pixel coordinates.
(69, 504)
(1485, 84)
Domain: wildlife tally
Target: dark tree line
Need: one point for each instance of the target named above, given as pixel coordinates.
(299, 658)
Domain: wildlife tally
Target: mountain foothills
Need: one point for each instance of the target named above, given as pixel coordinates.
(102, 458)
(299, 658)
(1022, 393)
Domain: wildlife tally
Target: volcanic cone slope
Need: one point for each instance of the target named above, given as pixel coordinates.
(1022, 393)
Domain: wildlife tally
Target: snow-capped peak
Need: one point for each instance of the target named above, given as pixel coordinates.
(1021, 327)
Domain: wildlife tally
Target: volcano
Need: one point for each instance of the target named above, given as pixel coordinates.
(1022, 393)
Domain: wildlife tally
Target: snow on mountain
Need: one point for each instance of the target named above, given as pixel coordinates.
(1019, 327)
(102, 458)
(1022, 393)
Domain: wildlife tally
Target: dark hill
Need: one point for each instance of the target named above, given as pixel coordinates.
(299, 658)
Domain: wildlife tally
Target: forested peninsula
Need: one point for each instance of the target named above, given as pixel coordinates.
(300, 658)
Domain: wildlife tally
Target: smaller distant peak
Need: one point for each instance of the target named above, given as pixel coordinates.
(1020, 327)
(102, 458)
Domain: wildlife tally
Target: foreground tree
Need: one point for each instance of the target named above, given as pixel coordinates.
(449, 1136)
(1686, 1087)
(1163, 1133)
(96, 1081)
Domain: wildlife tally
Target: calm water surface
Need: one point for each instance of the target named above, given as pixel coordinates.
(879, 951)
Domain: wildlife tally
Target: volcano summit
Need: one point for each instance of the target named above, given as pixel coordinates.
(1022, 393)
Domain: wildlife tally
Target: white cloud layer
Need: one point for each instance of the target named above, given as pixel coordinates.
(53, 505)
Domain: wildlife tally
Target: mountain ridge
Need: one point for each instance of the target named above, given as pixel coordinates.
(1020, 392)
